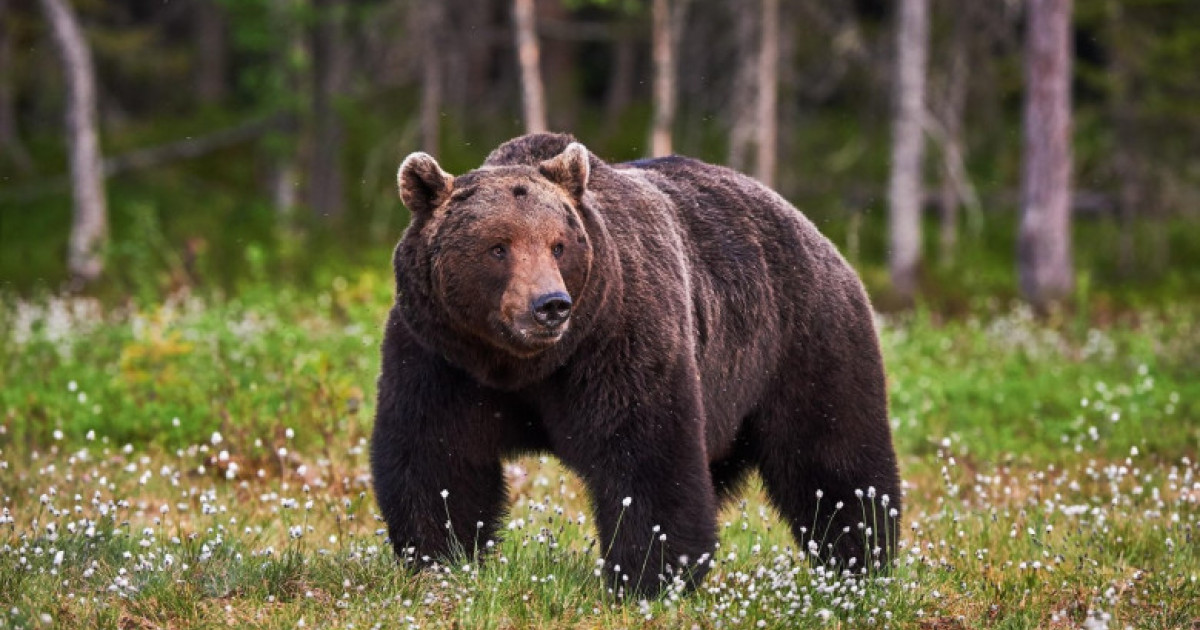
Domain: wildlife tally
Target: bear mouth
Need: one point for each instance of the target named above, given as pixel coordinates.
(529, 340)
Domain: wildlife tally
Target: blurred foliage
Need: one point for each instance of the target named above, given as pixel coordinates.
(215, 222)
(1002, 383)
(174, 372)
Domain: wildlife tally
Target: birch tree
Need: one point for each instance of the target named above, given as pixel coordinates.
(666, 18)
(768, 94)
(908, 143)
(533, 91)
(89, 222)
(1044, 241)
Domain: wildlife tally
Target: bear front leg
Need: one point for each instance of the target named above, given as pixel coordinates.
(437, 504)
(651, 492)
(435, 455)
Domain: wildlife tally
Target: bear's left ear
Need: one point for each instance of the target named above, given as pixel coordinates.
(569, 169)
(423, 184)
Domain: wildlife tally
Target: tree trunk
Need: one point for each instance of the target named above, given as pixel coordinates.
(953, 111)
(622, 76)
(282, 184)
(663, 53)
(768, 94)
(743, 95)
(328, 57)
(904, 191)
(210, 51)
(1044, 242)
(533, 92)
(1126, 164)
(10, 138)
(89, 224)
(283, 174)
(430, 16)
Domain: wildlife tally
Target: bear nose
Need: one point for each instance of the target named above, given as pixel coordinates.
(552, 309)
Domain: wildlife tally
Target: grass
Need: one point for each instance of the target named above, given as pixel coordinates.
(202, 462)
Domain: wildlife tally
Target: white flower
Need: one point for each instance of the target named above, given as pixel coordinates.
(627, 501)
(445, 493)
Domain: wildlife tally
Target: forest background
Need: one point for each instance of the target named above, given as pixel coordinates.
(259, 138)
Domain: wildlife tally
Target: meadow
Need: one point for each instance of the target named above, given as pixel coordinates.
(201, 461)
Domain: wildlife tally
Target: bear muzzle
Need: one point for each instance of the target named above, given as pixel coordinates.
(540, 325)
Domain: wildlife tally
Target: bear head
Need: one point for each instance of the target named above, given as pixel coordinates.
(499, 255)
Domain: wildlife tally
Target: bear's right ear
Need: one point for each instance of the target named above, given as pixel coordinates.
(423, 184)
(569, 169)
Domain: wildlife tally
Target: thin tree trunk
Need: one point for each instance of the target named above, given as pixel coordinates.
(663, 54)
(430, 17)
(557, 66)
(953, 111)
(1127, 166)
(283, 181)
(904, 191)
(10, 139)
(325, 174)
(1044, 242)
(283, 173)
(743, 97)
(768, 94)
(210, 51)
(622, 76)
(533, 92)
(89, 224)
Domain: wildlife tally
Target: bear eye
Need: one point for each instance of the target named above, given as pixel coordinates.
(557, 250)
(499, 251)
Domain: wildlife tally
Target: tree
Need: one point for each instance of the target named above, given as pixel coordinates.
(89, 224)
(430, 18)
(1127, 165)
(908, 143)
(768, 94)
(329, 66)
(10, 139)
(210, 54)
(666, 17)
(952, 111)
(743, 97)
(533, 92)
(623, 74)
(1044, 242)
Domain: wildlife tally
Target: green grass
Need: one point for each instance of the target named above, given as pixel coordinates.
(1052, 475)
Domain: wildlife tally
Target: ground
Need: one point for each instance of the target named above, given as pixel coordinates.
(202, 462)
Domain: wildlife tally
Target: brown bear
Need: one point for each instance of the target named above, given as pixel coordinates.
(662, 327)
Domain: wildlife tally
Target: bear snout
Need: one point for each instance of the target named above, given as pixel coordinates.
(551, 309)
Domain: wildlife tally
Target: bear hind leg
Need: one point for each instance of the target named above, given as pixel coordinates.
(838, 492)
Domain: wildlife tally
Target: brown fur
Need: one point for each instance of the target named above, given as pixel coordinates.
(712, 330)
